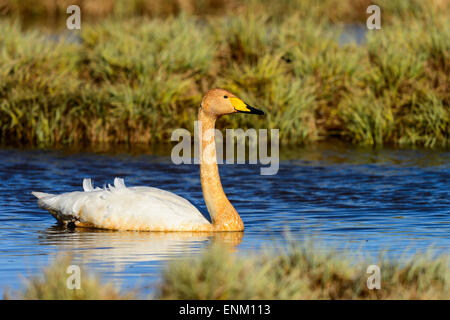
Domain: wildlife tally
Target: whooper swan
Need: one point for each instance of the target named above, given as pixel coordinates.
(150, 209)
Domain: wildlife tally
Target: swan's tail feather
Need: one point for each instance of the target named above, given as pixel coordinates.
(40, 195)
(67, 207)
(45, 200)
(48, 201)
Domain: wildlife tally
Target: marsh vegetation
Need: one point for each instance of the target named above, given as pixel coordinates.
(137, 72)
(295, 273)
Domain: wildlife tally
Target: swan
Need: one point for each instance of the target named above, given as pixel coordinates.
(119, 207)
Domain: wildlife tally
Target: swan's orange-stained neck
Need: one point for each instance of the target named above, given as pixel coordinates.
(223, 215)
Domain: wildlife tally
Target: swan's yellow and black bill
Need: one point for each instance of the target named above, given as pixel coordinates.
(241, 106)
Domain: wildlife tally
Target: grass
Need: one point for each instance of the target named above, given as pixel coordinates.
(295, 273)
(302, 273)
(131, 79)
(52, 285)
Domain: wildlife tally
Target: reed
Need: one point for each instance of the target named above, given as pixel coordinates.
(133, 80)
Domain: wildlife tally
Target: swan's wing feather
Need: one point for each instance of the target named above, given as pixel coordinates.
(87, 185)
(119, 207)
(119, 183)
(163, 195)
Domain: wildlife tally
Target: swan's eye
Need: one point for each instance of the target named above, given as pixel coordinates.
(225, 97)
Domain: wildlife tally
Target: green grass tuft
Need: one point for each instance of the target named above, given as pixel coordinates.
(301, 273)
(52, 285)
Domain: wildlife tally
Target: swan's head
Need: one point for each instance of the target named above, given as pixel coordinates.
(218, 102)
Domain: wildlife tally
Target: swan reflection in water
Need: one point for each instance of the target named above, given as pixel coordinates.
(118, 249)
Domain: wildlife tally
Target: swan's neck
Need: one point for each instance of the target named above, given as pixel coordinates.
(223, 215)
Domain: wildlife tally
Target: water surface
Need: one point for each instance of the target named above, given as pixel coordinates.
(360, 200)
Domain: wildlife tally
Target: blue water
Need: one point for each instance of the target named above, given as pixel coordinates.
(357, 200)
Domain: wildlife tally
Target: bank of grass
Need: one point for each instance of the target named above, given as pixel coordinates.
(134, 80)
(297, 273)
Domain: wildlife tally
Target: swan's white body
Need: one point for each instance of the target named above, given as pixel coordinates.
(120, 208)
